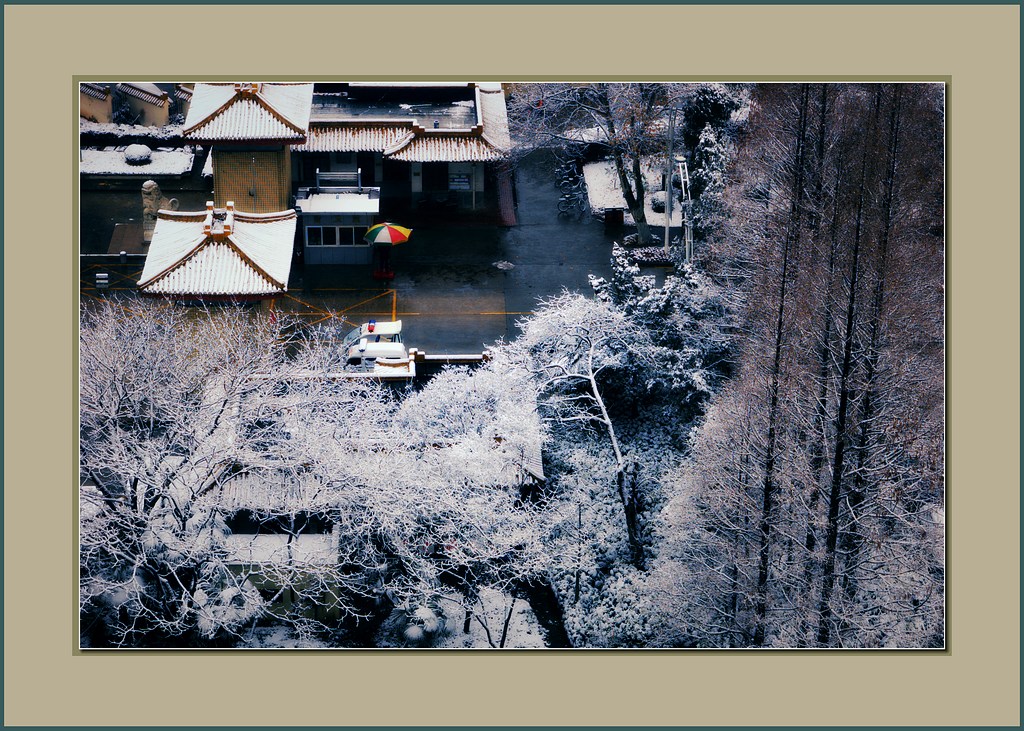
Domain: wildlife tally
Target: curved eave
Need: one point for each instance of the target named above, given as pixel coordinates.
(252, 261)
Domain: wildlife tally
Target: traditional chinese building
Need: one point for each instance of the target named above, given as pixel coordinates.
(425, 145)
(347, 155)
(243, 250)
(252, 128)
(219, 254)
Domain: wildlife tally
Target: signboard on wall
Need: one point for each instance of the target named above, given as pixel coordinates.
(460, 181)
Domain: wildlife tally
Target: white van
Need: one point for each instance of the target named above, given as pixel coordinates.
(373, 340)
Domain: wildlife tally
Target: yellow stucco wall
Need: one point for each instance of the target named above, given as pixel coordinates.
(94, 109)
(257, 181)
(151, 114)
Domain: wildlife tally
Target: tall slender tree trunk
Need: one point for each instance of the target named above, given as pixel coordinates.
(842, 415)
(734, 597)
(632, 193)
(869, 405)
(625, 476)
(818, 438)
(768, 492)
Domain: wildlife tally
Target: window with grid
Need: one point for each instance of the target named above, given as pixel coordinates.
(335, 236)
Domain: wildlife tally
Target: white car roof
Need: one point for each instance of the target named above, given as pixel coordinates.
(381, 328)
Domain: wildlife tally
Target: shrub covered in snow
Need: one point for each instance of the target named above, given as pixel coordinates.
(415, 625)
(709, 104)
(138, 155)
(652, 256)
(596, 583)
(168, 133)
(686, 319)
(612, 610)
(221, 604)
(634, 240)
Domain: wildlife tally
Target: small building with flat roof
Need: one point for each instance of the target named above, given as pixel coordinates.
(335, 215)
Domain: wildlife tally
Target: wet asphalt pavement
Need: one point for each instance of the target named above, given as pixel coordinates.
(447, 290)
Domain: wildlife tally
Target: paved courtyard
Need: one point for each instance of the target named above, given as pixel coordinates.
(447, 290)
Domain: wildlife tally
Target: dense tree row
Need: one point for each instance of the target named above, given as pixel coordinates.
(811, 512)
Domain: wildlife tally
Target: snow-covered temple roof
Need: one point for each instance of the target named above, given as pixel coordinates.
(219, 253)
(443, 148)
(409, 137)
(95, 91)
(150, 93)
(355, 137)
(249, 111)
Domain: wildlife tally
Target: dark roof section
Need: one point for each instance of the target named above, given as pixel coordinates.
(95, 91)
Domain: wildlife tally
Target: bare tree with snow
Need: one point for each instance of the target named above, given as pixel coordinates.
(232, 478)
(626, 120)
(572, 344)
(180, 408)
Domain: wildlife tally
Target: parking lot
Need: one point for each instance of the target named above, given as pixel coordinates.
(447, 288)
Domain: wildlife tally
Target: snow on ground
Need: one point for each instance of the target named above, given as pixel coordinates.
(604, 191)
(523, 631)
(279, 637)
(112, 162)
(587, 134)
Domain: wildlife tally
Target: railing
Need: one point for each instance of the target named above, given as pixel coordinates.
(340, 179)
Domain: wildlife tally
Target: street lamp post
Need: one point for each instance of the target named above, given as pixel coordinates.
(684, 181)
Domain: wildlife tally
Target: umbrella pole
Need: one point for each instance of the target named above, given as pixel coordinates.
(382, 270)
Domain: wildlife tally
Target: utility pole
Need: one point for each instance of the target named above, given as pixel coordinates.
(668, 173)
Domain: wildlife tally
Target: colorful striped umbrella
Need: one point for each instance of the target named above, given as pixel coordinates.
(387, 234)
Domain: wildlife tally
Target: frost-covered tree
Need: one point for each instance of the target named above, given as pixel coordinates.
(710, 160)
(164, 394)
(686, 319)
(627, 121)
(233, 478)
(806, 488)
(573, 345)
(446, 497)
(215, 447)
(709, 105)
